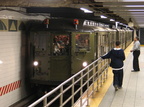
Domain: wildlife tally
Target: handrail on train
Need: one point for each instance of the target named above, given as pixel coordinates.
(93, 76)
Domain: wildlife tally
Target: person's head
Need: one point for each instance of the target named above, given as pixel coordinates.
(117, 43)
(136, 38)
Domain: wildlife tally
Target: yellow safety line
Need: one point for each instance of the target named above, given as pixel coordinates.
(94, 102)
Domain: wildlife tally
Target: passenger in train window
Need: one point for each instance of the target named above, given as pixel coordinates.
(136, 53)
(117, 57)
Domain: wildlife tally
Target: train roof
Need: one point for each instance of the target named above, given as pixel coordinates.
(66, 25)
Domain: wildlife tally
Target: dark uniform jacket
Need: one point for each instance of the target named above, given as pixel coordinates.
(117, 57)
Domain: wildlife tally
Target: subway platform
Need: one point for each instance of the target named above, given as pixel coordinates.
(132, 92)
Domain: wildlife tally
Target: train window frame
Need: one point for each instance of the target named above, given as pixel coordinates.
(40, 43)
(62, 47)
(78, 39)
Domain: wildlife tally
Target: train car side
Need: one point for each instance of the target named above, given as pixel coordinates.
(62, 49)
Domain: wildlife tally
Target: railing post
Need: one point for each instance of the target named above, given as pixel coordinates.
(72, 91)
(101, 74)
(97, 78)
(88, 78)
(104, 78)
(45, 100)
(107, 71)
(61, 97)
(93, 79)
(81, 91)
(87, 88)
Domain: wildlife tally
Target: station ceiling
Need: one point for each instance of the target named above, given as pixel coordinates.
(120, 10)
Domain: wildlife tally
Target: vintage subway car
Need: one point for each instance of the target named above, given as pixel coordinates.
(59, 48)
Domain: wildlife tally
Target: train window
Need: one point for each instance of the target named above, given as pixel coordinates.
(40, 42)
(61, 44)
(82, 42)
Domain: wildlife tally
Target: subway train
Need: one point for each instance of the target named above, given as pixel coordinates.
(59, 48)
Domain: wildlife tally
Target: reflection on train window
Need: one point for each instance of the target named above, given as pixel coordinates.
(82, 42)
(61, 45)
(40, 41)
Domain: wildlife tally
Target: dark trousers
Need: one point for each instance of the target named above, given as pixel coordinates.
(118, 77)
(136, 60)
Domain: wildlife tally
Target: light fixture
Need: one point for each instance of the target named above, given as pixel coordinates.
(112, 20)
(116, 24)
(46, 22)
(86, 10)
(130, 23)
(76, 22)
(103, 17)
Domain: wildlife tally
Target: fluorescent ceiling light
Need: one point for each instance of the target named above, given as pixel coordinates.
(86, 10)
(112, 20)
(122, 24)
(102, 16)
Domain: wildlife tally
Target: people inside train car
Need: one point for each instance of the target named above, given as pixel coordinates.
(86, 41)
(136, 53)
(61, 45)
(78, 42)
(117, 57)
(66, 42)
(56, 46)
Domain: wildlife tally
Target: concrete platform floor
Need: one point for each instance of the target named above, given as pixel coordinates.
(132, 93)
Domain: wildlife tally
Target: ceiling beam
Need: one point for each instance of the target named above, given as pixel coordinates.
(113, 3)
(119, 8)
(126, 11)
(122, 14)
(35, 3)
(123, 3)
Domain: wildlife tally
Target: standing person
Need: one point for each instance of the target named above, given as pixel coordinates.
(136, 53)
(117, 57)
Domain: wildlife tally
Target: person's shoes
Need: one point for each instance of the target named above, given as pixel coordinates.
(116, 87)
(120, 87)
(134, 70)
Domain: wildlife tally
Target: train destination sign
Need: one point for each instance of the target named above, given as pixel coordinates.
(92, 23)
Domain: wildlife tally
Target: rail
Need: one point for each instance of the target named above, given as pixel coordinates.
(91, 77)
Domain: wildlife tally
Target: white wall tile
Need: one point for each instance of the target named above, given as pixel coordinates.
(10, 69)
(10, 55)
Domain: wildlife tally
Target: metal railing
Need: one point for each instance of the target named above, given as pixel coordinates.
(84, 83)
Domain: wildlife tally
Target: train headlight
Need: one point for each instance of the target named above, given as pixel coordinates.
(85, 64)
(35, 63)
